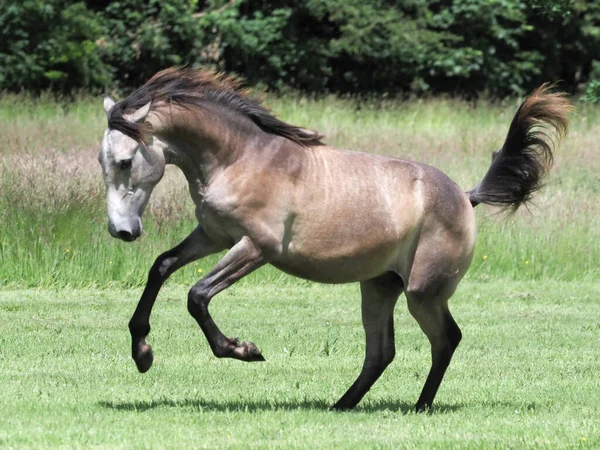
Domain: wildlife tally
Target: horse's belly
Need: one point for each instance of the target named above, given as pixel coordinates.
(341, 267)
(328, 272)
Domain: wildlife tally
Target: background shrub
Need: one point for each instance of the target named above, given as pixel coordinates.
(465, 47)
(50, 44)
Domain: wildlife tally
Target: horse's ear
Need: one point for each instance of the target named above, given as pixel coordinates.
(108, 103)
(140, 114)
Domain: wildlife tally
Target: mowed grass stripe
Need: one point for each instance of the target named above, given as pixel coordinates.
(525, 375)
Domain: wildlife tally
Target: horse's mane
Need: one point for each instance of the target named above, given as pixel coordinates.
(187, 87)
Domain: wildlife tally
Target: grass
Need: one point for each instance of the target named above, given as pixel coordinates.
(53, 197)
(525, 375)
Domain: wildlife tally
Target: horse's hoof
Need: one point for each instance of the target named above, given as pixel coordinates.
(257, 358)
(244, 351)
(144, 358)
(339, 407)
(251, 352)
(419, 409)
(247, 351)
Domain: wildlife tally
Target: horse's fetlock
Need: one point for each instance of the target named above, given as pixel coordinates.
(224, 349)
(139, 329)
(220, 352)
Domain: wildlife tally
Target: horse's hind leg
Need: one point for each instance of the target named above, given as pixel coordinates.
(379, 297)
(243, 258)
(194, 247)
(434, 318)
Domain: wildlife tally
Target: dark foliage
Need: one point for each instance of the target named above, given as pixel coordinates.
(50, 44)
(397, 47)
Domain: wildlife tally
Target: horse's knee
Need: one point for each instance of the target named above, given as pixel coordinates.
(197, 301)
(137, 328)
(161, 269)
(164, 265)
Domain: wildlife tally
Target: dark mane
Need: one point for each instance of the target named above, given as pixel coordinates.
(187, 87)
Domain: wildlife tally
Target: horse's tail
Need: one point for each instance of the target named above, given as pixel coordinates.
(519, 166)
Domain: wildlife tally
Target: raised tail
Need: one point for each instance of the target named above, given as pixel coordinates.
(519, 167)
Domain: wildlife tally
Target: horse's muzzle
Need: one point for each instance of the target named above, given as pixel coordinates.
(125, 234)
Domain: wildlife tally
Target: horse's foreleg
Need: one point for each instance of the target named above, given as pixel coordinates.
(379, 297)
(243, 258)
(195, 246)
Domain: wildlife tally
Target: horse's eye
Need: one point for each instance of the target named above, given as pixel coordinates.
(125, 164)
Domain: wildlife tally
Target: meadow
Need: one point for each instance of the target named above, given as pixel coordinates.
(53, 217)
(525, 375)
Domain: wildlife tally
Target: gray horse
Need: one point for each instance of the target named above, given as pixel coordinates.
(273, 193)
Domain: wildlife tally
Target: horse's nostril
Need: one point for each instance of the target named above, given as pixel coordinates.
(126, 236)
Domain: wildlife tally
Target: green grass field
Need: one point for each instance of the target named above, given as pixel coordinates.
(525, 375)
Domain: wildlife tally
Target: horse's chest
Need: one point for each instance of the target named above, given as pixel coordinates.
(230, 210)
(216, 222)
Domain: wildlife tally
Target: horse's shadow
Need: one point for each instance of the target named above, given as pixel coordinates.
(200, 405)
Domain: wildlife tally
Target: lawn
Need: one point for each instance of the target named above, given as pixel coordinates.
(525, 375)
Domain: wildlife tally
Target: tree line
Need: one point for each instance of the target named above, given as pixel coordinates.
(395, 47)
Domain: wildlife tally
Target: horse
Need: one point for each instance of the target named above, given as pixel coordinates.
(270, 192)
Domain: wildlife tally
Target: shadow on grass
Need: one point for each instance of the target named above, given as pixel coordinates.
(257, 406)
(208, 405)
(399, 407)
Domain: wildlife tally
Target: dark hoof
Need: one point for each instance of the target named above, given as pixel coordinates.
(340, 407)
(251, 352)
(244, 351)
(419, 409)
(144, 358)
(257, 358)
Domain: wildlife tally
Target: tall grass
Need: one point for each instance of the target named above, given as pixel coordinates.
(53, 218)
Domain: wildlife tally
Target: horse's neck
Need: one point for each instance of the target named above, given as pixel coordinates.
(192, 169)
(202, 150)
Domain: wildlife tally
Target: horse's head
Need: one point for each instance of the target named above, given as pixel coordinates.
(131, 170)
